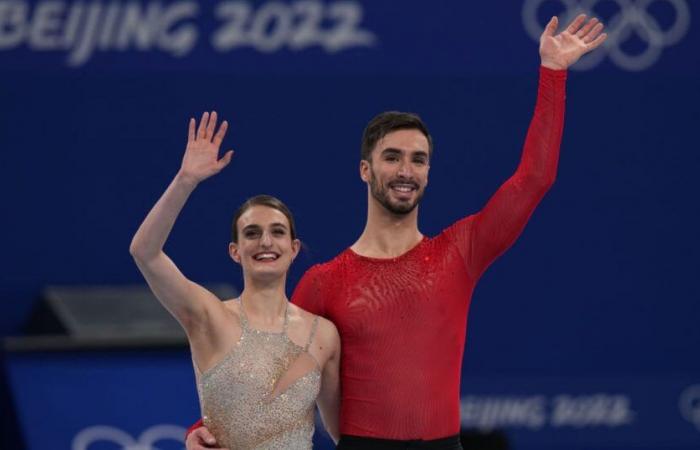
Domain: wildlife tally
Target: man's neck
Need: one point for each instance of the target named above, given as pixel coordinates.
(387, 235)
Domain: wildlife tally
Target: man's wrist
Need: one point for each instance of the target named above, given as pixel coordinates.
(553, 73)
(552, 66)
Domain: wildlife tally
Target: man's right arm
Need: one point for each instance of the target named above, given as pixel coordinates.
(198, 437)
(307, 294)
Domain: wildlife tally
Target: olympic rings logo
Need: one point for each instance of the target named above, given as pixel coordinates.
(146, 441)
(689, 404)
(633, 17)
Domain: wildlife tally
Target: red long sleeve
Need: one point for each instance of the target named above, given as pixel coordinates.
(402, 321)
(500, 222)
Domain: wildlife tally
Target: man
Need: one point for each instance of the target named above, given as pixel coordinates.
(400, 299)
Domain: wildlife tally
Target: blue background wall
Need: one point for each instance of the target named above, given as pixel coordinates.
(601, 289)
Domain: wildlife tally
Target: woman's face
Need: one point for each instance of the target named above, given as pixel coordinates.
(265, 248)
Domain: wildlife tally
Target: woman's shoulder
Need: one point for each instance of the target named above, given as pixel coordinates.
(233, 308)
(232, 304)
(325, 329)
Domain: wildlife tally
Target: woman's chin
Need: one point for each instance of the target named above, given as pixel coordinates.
(266, 274)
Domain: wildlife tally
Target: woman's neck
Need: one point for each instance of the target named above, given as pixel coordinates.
(266, 302)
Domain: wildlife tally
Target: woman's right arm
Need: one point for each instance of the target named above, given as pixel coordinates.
(189, 302)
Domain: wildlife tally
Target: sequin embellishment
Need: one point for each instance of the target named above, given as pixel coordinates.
(239, 400)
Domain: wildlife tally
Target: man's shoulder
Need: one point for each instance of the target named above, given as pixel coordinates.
(456, 228)
(332, 265)
(318, 284)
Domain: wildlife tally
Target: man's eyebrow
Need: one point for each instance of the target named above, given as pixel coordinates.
(392, 150)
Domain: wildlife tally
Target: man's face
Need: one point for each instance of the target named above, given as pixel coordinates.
(398, 173)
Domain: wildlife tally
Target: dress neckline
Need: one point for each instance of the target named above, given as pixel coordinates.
(245, 323)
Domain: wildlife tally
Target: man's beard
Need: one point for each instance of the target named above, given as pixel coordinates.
(381, 194)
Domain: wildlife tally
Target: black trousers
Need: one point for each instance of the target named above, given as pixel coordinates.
(364, 443)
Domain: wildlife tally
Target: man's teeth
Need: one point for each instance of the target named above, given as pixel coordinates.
(403, 188)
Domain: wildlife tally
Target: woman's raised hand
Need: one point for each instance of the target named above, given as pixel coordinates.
(201, 158)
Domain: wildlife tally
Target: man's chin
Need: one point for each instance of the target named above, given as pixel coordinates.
(400, 208)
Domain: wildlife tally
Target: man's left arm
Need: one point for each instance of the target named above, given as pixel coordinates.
(500, 222)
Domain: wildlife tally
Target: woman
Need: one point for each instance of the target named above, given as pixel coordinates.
(260, 361)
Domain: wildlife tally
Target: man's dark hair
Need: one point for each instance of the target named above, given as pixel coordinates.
(262, 200)
(387, 122)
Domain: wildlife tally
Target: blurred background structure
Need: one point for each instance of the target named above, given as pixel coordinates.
(585, 335)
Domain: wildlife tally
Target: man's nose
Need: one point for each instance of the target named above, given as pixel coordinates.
(405, 169)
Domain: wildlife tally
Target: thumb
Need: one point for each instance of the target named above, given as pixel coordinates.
(225, 160)
(551, 27)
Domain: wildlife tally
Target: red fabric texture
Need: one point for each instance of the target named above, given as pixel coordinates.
(197, 424)
(402, 321)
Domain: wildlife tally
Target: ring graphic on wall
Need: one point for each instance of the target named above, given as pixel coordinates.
(146, 441)
(633, 18)
(689, 404)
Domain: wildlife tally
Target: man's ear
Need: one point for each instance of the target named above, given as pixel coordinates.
(233, 252)
(365, 170)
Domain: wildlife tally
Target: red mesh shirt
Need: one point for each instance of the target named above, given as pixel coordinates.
(402, 321)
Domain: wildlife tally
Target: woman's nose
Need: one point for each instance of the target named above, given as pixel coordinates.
(266, 239)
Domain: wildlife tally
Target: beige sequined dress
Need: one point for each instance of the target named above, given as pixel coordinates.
(262, 394)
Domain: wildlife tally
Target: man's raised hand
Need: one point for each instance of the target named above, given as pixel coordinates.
(560, 51)
(201, 158)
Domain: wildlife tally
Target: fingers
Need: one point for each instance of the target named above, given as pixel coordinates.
(211, 126)
(207, 127)
(190, 130)
(590, 37)
(576, 24)
(201, 132)
(551, 27)
(219, 136)
(587, 28)
(203, 436)
(597, 42)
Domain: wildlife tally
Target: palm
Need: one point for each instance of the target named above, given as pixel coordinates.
(201, 158)
(564, 49)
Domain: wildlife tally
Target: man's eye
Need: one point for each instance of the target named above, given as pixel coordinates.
(279, 232)
(252, 234)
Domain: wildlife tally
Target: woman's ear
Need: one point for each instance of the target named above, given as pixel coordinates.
(296, 246)
(233, 252)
